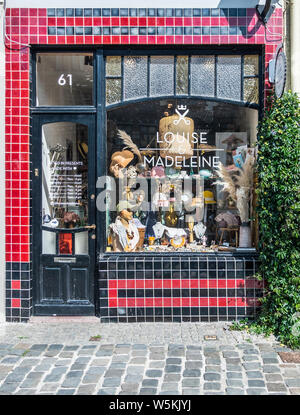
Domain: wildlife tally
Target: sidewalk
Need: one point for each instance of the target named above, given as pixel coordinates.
(56, 356)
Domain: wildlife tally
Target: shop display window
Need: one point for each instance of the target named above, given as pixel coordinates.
(183, 171)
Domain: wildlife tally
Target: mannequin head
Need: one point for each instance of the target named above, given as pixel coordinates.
(126, 215)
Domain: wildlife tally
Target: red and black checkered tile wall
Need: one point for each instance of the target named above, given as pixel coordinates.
(85, 26)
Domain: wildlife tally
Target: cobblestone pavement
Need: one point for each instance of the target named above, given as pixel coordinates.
(141, 358)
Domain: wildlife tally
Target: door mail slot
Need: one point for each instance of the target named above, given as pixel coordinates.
(65, 260)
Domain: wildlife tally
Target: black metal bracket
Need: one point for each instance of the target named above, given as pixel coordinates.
(265, 12)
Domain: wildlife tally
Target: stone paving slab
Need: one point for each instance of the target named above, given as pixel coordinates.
(141, 359)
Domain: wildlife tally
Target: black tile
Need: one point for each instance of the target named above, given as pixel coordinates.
(197, 31)
(70, 12)
(187, 12)
(215, 31)
(60, 12)
(106, 32)
(103, 302)
(116, 31)
(196, 12)
(88, 31)
(78, 30)
(106, 12)
(203, 311)
(16, 312)
(51, 31)
(178, 31)
(233, 12)
(233, 30)
(134, 31)
(115, 12)
(50, 12)
(215, 12)
(205, 30)
(96, 12)
(224, 12)
(242, 12)
(112, 312)
(142, 31)
(188, 30)
(133, 12)
(124, 30)
(223, 31)
(205, 12)
(60, 31)
(142, 12)
(124, 12)
(78, 12)
(88, 12)
(97, 31)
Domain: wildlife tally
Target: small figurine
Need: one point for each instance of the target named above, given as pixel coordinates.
(203, 240)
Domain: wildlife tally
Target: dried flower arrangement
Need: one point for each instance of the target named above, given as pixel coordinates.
(238, 185)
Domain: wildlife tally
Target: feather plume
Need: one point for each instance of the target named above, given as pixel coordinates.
(129, 144)
(245, 176)
(226, 181)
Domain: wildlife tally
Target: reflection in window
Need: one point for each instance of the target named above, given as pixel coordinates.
(173, 145)
(64, 183)
(64, 79)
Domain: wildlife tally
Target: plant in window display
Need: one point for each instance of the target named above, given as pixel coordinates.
(239, 186)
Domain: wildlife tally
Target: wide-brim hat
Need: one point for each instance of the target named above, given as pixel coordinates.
(124, 205)
(123, 158)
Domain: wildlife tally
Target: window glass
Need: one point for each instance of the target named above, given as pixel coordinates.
(163, 191)
(64, 187)
(64, 79)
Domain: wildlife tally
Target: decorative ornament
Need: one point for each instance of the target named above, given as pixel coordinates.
(178, 242)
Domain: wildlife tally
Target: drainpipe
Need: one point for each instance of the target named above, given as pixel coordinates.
(2, 166)
(295, 41)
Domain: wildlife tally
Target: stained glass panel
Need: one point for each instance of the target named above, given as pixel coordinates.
(229, 77)
(182, 75)
(135, 77)
(161, 75)
(113, 91)
(203, 75)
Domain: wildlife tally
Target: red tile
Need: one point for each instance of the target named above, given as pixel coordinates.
(151, 21)
(16, 302)
(124, 21)
(16, 284)
(133, 21)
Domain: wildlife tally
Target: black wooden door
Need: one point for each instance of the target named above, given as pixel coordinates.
(63, 212)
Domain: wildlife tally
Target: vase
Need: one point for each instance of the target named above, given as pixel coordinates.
(245, 235)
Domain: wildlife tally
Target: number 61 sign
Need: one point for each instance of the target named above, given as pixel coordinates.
(62, 81)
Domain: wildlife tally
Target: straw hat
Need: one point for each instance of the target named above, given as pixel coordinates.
(123, 158)
(123, 205)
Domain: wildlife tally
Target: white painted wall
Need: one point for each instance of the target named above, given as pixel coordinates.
(294, 44)
(134, 3)
(2, 170)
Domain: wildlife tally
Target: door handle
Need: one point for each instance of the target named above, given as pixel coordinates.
(90, 226)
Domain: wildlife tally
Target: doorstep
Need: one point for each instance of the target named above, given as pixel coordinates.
(63, 319)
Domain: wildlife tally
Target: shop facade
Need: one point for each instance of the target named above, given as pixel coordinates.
(117, 120)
